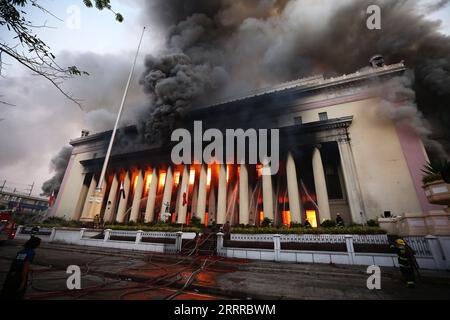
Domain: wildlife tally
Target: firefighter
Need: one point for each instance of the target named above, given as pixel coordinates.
(406, 261)
(16, 281)
(339, 220)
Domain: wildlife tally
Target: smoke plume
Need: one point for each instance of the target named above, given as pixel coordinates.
(218, 48)
(58, 166)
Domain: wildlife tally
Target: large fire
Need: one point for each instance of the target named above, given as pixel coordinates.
(162, 180)
(176, 178)
(192, 177)
(208, 177)
(148, 180)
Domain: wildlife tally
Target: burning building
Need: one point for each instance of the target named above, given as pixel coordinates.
(339, 153)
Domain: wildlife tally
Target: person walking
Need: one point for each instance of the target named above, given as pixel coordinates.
(406, 261)
(16, 282)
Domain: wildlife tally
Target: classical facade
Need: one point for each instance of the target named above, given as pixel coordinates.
(338, 154)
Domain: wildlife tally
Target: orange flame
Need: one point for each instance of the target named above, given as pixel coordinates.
(135, 180)
(286, 217)
(208, 177)
(162, 179)
(311, 216)
(176, 178)
(192, 177)
(259, 169)
(148, 181)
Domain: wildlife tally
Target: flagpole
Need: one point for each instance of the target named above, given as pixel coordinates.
(113, 135)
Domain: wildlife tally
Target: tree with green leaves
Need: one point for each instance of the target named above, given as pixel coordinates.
(29, 50)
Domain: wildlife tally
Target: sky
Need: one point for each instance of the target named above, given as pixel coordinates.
(42, 121)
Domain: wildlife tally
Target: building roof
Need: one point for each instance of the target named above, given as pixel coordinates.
(23, 196)
(300, 85)
(317, 82)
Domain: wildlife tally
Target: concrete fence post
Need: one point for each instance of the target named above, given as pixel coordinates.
(220, 236)
(18, 231)
(53, 234)
(107, 235)
(277, 246)
(179, 241)
(444, 242)
(436, 251)
(82, 231)
(139, 236)
(350, 248)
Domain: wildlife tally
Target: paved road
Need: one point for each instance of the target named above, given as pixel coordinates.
(119, 274)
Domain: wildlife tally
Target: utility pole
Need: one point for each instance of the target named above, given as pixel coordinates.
(31, 188)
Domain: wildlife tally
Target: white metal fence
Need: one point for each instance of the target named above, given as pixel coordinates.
(419, 245)
(312, 238)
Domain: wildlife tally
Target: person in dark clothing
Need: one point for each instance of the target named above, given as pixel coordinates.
(406, 262)
(307, 224)
(16, 281)
(339, 221)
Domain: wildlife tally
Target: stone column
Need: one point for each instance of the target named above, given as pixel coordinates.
(135, 207)
(88, 201)
(243, 195)
(267, 196)
(150, 209)
(167, 196)
(111, 204)
(295, 204)
(182, 209)
(222, 195)
(121, 210)
(202, 191)
(81, 200)
(96, 201)
(321, 186)
(352, 186)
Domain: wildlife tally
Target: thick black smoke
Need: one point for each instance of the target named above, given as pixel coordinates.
(224, 47)
(58, 166)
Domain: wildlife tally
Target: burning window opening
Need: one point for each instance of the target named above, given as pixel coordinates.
(176, 178)
(162, 180)
(192, 177)
(311, 216)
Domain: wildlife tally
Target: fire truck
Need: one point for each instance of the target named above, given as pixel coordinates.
(7, 226)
